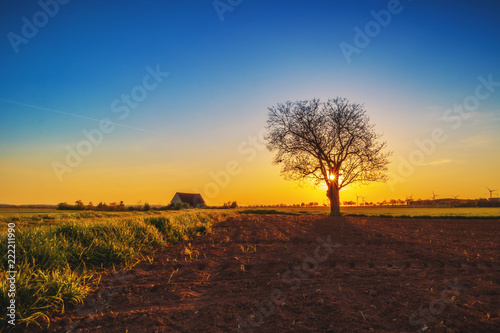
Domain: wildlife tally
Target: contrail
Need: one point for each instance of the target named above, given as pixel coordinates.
(79, 116)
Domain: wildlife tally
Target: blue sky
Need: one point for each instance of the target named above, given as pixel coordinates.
(224, 74)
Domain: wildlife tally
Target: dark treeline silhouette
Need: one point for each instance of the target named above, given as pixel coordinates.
(225, 205)
(230, 204)
(401, 203)
(447, 202)
(283, 205)
(120, 207)
(102, 206)
(35, 206)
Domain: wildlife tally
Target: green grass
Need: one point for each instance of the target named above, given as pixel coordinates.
(267, 211)
(56, 262)
(442, 212)
(452, 217)
(19, 211)
(59, 255)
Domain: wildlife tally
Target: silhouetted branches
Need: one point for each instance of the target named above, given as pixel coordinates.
(332, 143)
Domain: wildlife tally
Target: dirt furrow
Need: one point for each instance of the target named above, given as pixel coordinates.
(308, 273)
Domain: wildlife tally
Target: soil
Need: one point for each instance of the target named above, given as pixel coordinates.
(277, 273)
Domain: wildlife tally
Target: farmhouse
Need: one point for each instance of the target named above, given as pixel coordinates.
(193, 199)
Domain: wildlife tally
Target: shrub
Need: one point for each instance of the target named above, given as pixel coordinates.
(230, 204)
(177, 206)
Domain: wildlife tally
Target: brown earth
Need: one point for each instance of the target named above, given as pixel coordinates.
(279, 273)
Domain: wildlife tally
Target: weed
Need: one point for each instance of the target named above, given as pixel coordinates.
(59, 261)
(171, 275)
(190, 252)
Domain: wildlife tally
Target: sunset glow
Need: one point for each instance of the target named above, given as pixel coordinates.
(155, 98)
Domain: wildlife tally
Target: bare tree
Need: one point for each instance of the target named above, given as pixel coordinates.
(330, 143)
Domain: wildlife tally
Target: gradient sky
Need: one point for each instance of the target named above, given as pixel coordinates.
(201, 118)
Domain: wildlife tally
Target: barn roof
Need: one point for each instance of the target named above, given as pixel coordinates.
(191, 198)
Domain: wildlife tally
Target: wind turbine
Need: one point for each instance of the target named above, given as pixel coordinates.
(434, 196)
(491, 192)
(409, 199)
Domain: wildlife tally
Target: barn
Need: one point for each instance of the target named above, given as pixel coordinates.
(193, 199)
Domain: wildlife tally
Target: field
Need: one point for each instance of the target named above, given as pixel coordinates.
(399, 211)
(302, 272)
(8, 212)
(395, 211)
(58, 257)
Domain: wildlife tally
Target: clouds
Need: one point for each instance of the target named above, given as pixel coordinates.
(438, 162)
(478, 141)
(223, 77)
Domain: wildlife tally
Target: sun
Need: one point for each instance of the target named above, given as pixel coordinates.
(331, 176)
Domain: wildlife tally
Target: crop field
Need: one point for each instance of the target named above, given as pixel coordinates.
(8, 212)
(260, 270)
(433, 212)
(395, 211)
(398, 211)
(60, 256)
(42, 218)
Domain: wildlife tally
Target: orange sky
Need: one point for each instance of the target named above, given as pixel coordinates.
(186, 94)
(241, 170)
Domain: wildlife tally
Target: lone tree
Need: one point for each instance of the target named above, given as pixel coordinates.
(330, 143)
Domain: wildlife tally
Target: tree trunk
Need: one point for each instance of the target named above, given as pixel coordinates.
(333, 195)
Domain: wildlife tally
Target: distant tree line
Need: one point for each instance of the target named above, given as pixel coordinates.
(176, 206)
(487, 203)
(102, 206)
(225, 205)
(120, 207)
(429, 202)
(399, 202)
(455, 203)
(283, 205)
(230, 205)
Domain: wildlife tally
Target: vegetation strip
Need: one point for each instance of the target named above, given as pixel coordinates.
(56, 265)
(435, 217)
(266, 211)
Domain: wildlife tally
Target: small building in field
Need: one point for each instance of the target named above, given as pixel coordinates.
(193, 199)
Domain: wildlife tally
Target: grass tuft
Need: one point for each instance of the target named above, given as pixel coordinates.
(56, 263)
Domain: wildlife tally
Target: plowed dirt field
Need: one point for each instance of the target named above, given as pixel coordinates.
(281, 273)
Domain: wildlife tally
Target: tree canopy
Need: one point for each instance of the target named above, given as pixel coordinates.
(329, 142)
